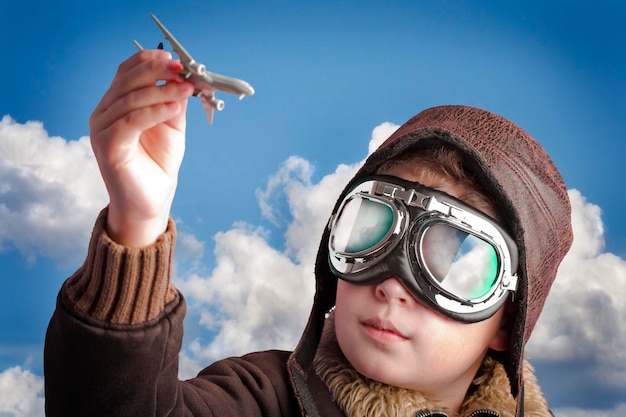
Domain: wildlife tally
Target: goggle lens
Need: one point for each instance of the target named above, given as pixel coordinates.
(462, 263)
(362, 225)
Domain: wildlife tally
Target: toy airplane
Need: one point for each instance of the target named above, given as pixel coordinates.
(205, 82)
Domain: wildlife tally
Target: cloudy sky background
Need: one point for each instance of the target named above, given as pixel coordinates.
(332, 81)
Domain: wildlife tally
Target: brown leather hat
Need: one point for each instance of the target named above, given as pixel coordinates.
(526, 187)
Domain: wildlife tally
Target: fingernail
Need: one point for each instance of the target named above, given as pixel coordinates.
(174, 65)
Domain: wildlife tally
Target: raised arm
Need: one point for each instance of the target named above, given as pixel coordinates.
(113, 342)
(114, 337)
(138, 137)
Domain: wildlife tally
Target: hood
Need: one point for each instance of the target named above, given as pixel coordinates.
(527, 189)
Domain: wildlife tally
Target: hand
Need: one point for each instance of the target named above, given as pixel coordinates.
(138, 137)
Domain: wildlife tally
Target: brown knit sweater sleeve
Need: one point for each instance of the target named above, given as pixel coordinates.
(123, 285)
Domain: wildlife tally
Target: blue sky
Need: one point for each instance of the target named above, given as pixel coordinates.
(255, 186)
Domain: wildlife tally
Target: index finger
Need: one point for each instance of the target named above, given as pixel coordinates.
(143, 69)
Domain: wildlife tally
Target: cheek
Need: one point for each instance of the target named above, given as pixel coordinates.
(468, 340)
(348, 300)
(348, 295)
(343, 301)
(342, 318)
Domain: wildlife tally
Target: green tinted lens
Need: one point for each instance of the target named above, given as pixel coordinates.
(362, 224)
(462, 263)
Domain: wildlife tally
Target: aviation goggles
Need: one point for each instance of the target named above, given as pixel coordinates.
(449, 255)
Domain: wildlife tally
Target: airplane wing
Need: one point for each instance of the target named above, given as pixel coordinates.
(176, 46)
(210, 103)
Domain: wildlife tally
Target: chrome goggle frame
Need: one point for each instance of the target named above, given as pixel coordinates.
(398, 254)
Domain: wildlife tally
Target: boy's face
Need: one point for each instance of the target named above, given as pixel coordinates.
(389, 336)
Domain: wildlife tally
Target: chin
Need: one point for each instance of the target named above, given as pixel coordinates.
(381, 372)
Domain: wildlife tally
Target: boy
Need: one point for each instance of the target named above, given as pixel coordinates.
(433, 306)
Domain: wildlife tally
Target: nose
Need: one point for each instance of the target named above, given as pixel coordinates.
(391, 290)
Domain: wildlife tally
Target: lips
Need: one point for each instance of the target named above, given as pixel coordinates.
(383, 329)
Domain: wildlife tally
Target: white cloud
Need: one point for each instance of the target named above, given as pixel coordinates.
(50, 188)
(21, 393)
(188, 247)
(380, 134)
(581, 333)
(585, 315)
(256, 296)
(293, 171)
(259, 297)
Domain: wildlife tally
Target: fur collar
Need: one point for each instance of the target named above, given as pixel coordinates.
(360, 396)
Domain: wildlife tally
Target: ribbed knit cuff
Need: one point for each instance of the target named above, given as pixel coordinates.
(123, 285)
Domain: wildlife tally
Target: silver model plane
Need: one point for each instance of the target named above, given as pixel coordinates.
(205, 82)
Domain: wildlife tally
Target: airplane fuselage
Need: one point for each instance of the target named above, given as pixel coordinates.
(214, 81)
